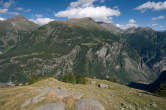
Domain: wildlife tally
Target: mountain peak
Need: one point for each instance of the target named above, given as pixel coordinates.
(81, 22)
(19, 22)
(18, 17)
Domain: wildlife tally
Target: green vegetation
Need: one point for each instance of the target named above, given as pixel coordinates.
(75, 79)
(35, 78)
(1, 43)
(112, 79)
(161, 91)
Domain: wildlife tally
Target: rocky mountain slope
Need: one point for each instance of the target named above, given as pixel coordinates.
(51, 94)
(13, 30)
(80, 46)
(111, 28)
(150, 45)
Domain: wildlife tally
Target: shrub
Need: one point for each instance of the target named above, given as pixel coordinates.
(112, 79)
(70, 78)
(75, 79)
(34, 78)
(80, 79)
(161, 91)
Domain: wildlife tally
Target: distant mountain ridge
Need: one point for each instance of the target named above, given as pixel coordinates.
(82, 46)
(13, 29)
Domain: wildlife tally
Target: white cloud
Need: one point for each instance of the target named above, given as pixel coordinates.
(19, 9)
(2, 19)
(131, 23)
(41, 21)
(5, 11)
(8, 4)
(85, 8)
(158, 18)
(13, 13)
(126, 26)
(22, 9)
(152, 5)
(154, 24)
(28, 10)
(39, 15)
(82, 3)
(2, 11)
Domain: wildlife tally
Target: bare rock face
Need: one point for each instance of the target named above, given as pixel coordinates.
(52, 106)
(89, 104)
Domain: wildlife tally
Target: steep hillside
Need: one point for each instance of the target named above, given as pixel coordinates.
(159, 86)
(13, 30)
(51, 94)
(151, 46)
(80, 46)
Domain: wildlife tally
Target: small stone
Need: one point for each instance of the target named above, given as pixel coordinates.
(139, 94)
(154, 105)
(93, 82)
(103, 86)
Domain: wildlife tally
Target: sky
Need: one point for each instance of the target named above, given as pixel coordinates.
(122, 13)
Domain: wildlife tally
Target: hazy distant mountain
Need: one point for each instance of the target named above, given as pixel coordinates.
(13, 30)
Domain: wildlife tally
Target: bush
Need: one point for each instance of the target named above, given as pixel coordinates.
(81, 79)
(34, 78)
(75, 79)
(161, 91)
(69, 78)
(112, 79)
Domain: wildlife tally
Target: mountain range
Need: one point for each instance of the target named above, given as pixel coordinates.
(80, 46)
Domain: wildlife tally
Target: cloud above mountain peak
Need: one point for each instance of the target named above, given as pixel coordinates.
(86, 8)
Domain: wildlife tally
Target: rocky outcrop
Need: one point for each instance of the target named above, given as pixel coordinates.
(52, 106)
(89, 104)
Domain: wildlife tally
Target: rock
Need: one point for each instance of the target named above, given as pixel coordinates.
(77, 96)
(26, 103)
(88, 104)
(139, 94)
(93, 82)
(122, 108)
(52, 106)
(103, 86)
(3, 85)
(154, 105)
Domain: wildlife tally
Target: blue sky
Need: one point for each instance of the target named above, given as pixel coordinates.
(122, 13)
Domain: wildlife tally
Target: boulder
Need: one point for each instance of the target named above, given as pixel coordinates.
(93, 82)
(88, 104)
(52, 106)
(103, 86)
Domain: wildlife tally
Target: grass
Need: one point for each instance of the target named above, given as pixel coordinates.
(111, 98)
